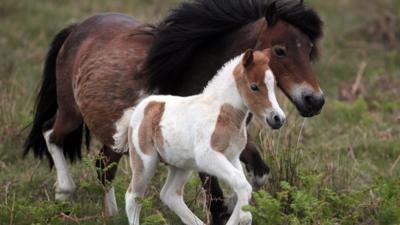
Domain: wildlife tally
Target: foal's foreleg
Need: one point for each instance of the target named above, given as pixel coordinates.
(258, 173)
(172, 195)
(107, 164)
(216, 164)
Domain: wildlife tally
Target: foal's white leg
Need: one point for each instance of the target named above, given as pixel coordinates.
(138, 187)
(172, 195)
(65, 186)
(216, 164)
(246, 217)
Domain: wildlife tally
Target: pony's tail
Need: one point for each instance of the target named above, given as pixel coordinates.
(121, 134)
(46, 100)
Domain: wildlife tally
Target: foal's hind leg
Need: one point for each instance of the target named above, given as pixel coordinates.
(54, 137)
(108, 159)
(172, 195)
(143, 169)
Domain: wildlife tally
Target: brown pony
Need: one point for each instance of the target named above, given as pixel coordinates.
(98, 68)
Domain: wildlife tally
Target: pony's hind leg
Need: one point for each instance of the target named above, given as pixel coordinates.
(218, 205)
(143, 169)
(172, 195)
(107, 164)
(54, 138)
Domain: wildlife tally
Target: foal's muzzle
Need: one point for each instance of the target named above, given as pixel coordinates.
(275, 120)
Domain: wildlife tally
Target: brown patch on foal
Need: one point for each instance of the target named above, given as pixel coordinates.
(252, 71)
(228, 125)
(150, 134)
(137, 162)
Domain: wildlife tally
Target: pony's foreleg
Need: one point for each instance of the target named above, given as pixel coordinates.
(65, 185)
(217, 164)
(172, 195)
(215, 199)
(258, 171)
(107, 164)
(143, 169)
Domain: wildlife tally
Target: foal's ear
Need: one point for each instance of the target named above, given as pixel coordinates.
(248, 58)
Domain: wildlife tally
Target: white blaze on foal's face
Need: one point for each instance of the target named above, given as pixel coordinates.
(256, 85)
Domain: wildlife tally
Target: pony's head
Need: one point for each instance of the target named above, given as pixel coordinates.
(256, 85)
(292, 31)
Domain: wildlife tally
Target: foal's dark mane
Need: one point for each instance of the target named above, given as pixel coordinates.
(196, 23)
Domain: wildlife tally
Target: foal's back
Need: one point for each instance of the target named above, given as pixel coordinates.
(173, 127)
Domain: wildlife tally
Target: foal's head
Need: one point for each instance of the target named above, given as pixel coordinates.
(256, 85)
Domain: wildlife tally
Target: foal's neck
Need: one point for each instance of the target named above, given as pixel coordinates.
(222, 89)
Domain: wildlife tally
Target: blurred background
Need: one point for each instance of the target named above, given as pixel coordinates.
(342, 167)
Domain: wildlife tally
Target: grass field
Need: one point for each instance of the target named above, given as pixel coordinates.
(342, 167)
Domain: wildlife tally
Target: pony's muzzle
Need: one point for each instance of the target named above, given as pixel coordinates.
(308, 102)
(314, 102)
(275, 120)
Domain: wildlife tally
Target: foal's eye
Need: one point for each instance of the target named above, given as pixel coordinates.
(280, 51)
(254, 87)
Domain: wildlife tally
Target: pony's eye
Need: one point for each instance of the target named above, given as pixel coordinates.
(254, 87)
(280, 52)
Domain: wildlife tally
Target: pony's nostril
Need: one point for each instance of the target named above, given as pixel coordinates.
(308, 99)
(314, 101)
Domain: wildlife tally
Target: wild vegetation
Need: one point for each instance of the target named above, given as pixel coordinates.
(342, 167)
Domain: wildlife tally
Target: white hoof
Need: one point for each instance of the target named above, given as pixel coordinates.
(245, 218)
(65, 193)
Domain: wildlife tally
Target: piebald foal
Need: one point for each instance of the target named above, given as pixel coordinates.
(205, 132)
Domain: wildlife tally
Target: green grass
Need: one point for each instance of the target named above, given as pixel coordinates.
(337, 168)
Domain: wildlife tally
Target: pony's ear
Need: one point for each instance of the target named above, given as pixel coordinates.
(271, 14)
(248, 58)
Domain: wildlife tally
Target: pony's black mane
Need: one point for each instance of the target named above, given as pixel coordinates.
(198, 22)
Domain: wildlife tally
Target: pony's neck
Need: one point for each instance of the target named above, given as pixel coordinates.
(211, 57)
(246, 37)
(222, 88)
